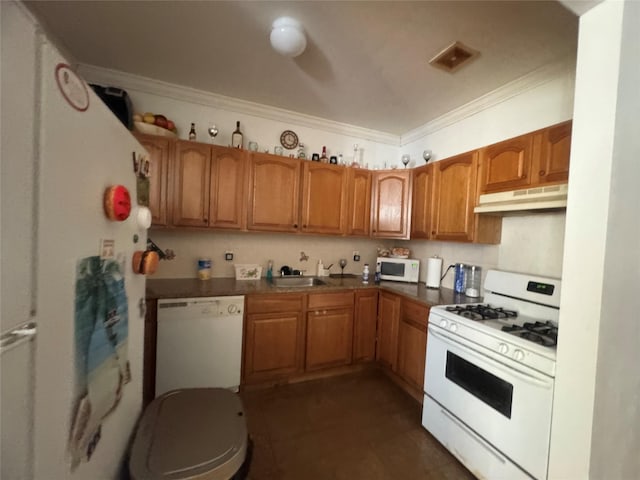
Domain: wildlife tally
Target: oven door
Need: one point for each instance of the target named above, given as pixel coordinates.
(509, 406)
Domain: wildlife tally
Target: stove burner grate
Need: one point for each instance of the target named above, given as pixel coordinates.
(482, 312)
(544, 333)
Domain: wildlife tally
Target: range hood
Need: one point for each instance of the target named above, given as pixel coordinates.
(528, 199)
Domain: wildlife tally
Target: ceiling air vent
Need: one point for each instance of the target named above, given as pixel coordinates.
(453, 57)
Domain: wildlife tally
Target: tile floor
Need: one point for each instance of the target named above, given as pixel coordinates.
(356, 426)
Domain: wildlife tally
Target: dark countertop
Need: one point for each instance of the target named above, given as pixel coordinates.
(214, 287)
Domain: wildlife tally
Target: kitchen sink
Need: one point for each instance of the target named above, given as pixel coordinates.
(296, 281)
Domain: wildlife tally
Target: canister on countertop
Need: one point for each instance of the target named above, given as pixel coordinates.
(459, 284)
(434, 271)
(472, 281)
(204, 268)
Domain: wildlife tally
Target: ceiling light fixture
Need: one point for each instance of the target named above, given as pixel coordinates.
(287, 37)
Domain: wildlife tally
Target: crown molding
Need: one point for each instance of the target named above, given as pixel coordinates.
(518, 86)
(138, 83)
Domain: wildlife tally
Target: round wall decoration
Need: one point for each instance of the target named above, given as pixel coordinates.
(289, 139)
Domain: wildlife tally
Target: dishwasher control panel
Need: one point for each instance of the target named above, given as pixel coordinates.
(209, 306)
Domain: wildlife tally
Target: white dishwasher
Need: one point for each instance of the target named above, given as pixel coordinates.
(199, 343)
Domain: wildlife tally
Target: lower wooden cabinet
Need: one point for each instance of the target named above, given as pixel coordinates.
(329, 330)
(388, 320)
(364, 325)
(412, 343)
(273, 338)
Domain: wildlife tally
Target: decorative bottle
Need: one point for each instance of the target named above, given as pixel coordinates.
(323, 157)
(236, 137)
(376, 278)
(365, 273)
(192, 132)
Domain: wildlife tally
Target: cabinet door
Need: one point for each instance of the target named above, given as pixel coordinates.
(412, 343)
(324, 198)
(421, 203)
(364, 325)
(329, 338)
(553, 161)
(228, 179)
(454, 198)
(388, 320)
(412, 348)
(272, 346)
(506, 165)
(274, 193)
(391, 204)
(158, 149)
(359, 202)
(192, 167)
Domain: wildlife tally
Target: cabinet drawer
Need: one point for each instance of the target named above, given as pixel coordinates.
(330, 300)
(281, 302)
(415, 312)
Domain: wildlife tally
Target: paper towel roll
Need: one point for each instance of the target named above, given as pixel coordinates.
(434, 271)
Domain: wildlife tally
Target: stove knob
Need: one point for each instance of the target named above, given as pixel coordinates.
(518, 355)
(453, 327)
(503, 348)
(443, 323)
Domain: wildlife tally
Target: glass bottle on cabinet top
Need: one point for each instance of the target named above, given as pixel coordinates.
(192, 132)
(323, 157)
(236, 137)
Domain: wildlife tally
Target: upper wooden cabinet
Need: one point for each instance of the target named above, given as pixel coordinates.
(506, 165)
(454, 198)
(159, 149)
(554, 144)
(359, 211)
(227, 200)
(537, 158)
(422, 201)
(191, 183)
(274, 189)
(208, 189)
(324, 198)
(391, 195)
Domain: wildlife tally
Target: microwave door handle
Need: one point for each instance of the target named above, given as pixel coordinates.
(526, 377)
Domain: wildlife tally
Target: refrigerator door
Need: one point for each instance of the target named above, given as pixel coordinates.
(57, 161)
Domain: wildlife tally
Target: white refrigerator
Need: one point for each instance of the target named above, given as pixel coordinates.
(61, 148)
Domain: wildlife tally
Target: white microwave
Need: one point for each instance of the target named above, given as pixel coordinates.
(399, 269)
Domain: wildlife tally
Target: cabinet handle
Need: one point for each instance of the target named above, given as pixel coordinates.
(295, 225)
(204, 220)
(542, 173)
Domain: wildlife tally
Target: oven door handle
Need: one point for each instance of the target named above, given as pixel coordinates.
(526, 377)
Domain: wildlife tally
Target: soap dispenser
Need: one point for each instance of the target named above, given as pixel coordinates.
(320, 270)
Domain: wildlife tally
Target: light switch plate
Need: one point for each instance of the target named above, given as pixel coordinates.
(228, 256)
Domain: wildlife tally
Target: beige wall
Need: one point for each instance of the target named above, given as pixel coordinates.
(283, 249)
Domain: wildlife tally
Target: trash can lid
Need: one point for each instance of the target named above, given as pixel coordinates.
(196, 432)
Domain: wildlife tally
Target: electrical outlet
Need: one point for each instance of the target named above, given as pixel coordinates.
(228, 256)
(356, 256)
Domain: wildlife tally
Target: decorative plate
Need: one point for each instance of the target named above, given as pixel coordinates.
(289, 139)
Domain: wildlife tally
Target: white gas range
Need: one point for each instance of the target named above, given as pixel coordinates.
(489, 376)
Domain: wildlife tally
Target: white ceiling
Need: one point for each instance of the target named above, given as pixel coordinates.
(366, 62)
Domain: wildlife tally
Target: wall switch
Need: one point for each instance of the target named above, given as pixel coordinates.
(356, 256)
(228, 256)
